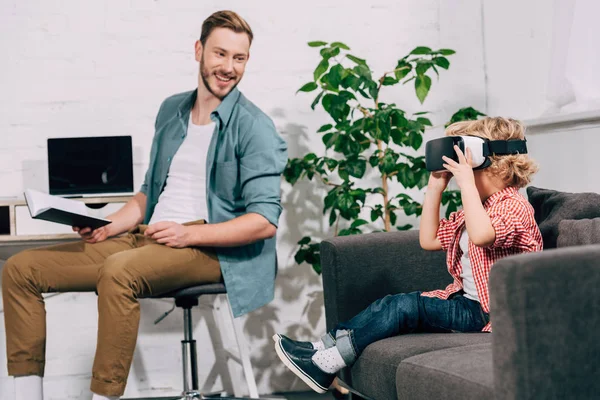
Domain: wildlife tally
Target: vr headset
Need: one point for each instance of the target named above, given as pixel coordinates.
(481, 149)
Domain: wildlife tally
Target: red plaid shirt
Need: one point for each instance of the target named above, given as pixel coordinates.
(516, 232)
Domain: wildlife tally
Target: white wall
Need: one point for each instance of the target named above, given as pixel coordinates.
(73, 68)
(518, 39)
(518, 54)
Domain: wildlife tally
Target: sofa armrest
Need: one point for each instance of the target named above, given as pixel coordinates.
(360, 269)
(545, 311)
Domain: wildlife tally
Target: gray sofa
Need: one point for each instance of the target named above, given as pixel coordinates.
(545, 310)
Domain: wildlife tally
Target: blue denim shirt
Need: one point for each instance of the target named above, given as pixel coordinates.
(245, 159)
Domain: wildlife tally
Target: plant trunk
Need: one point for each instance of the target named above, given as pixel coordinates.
(384, 186)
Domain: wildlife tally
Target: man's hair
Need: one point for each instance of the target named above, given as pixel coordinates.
(513, 169)
(225, 19)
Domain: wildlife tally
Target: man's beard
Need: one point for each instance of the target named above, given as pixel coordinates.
(206, 74)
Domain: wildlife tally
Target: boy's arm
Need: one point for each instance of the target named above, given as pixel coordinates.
(477, 221)
(430, 220)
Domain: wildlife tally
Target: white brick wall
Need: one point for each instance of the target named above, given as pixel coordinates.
(73, 68)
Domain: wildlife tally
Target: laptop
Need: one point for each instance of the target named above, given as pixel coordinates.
(90, 166)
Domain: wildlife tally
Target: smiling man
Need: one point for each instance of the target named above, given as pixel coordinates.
(207, 211)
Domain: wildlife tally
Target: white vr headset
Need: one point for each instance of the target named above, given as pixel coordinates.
(481, 149)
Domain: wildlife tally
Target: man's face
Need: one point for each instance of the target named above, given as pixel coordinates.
(223, 60)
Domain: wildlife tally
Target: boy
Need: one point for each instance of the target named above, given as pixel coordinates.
(496, 221)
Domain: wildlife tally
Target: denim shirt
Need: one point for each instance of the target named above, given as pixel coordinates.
(245, 159)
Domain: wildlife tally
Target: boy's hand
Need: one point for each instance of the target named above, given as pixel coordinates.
(462, 170)
(438, 180)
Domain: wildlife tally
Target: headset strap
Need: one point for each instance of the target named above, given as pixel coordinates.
(504, 147)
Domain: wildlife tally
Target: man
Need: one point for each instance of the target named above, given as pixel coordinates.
(215, 156)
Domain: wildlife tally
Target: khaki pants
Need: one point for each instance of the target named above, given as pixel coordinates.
(120, 270)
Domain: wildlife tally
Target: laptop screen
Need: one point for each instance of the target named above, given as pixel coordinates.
(90, 165)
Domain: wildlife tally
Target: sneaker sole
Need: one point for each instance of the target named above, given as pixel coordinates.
(276, 337)
(299, 373)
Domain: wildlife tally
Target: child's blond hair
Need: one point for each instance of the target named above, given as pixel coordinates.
(513, 169)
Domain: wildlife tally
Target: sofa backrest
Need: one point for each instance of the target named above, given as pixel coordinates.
(553, 207)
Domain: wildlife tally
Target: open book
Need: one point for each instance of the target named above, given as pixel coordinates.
(61, 210)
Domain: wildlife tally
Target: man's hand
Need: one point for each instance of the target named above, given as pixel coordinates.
(463, 170)
(93, 236)
(169, 233)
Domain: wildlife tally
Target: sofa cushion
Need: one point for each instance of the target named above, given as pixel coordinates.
(578, 232)
(551, 207)
(374, 373)
(456, 373)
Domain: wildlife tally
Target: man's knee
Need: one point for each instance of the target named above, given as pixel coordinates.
(117, 273)
(17, 269)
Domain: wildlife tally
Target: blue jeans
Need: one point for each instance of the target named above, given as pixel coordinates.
(406, 313)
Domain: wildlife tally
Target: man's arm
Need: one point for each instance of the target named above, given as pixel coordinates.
(124, 219)
(128, 216)
(246, 229)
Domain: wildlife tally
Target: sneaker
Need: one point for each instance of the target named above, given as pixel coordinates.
(305, 345)
(299, 361)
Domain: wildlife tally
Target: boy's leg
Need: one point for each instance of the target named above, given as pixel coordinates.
(405, 313)
(67, 267)
(458, 314)
(124, 278)
(386, 317)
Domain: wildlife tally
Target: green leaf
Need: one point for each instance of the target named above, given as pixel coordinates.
(329, 52)
(465, 114)
(321, 68)
(389, 81)
(446, 52)
(304, 240)
(393, 218)
(340, 45)
(358, 222)
(404, 227)
(422, 86)
(374, 160)
(421, 50)
(424, 121)
(300, 256)
(357, 168)
(325, 128)
(397, 136)
(316, 100)
(335, 76)
(332, 217)
(375, 215)
(317, 44)
(379, 190)
(357, 60)
(351, 81)
(422, 67)
(308, 87)
(331, 163)
(310, 157)
(329, 139)
(442, 62)
(402, 69)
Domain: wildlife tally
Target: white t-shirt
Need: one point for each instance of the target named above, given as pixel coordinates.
(184, 197)
(467, 272)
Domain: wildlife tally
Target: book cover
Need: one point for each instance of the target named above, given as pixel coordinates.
(61, 210)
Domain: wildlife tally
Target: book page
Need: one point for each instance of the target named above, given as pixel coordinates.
(41, 202)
